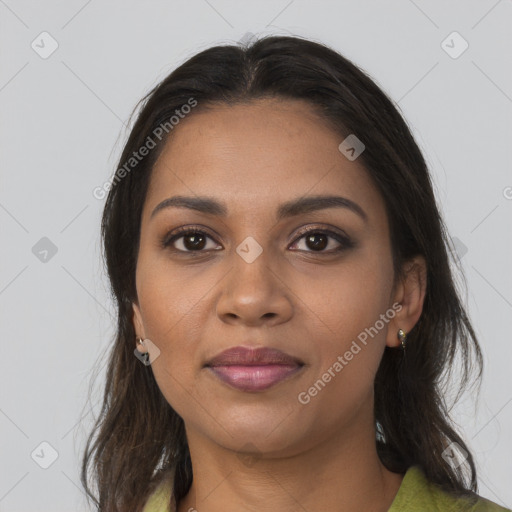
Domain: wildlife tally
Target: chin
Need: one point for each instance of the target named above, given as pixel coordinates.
(263, 430)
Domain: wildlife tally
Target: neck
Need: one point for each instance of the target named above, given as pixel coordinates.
(343, 472)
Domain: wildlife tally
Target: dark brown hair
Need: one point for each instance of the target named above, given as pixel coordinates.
(138, 439)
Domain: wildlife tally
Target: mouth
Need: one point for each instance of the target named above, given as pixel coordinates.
(249, 369)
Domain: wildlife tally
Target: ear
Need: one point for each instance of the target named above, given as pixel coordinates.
(138, 325)
(409, 292)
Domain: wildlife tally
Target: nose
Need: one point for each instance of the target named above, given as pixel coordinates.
(255, 294)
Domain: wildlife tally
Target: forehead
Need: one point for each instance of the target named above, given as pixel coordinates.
(255, 155)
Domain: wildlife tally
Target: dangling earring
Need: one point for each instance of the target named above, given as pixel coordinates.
(144, 356)
(402, 336)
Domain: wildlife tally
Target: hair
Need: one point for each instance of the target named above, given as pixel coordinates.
(138, 439)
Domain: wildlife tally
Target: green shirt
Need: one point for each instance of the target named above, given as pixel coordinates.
(416, 494)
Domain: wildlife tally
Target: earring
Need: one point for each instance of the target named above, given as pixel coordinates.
(144, 356)
(402, 336)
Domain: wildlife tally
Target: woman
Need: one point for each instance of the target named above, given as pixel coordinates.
(281, 274)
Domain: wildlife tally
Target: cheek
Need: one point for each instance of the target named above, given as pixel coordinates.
(355, 306)
(170, 302)
(168, 295)
(356, 293)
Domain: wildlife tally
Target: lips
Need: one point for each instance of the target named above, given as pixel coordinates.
(253, 369)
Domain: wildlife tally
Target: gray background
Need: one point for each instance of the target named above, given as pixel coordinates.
(62, 129)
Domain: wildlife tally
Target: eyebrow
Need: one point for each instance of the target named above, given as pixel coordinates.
(291, 208)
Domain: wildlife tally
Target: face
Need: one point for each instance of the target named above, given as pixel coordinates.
(309, 282)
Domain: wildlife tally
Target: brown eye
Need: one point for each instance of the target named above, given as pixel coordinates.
(194, 240)
(317, 240)
(188, 240)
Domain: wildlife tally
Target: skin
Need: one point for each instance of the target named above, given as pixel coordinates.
(266, 451)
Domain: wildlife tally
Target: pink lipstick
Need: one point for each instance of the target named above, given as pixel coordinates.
(253, 369)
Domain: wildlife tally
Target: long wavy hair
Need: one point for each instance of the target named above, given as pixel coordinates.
(138, 439)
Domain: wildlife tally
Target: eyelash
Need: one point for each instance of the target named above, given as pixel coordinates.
(170, 238)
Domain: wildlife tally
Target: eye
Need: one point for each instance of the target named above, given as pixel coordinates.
(189, 239)
(319, 239)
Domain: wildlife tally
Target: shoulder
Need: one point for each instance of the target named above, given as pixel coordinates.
(417, 494)
(160, 498)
